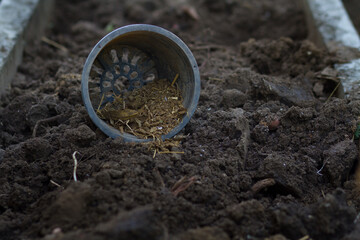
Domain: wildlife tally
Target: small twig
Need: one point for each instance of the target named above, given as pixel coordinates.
(176, 185)
(46, 120)
(56, 184)
(175, 78)
(171, 152)
(216, 79)
(127, 124)
(75, 164)
(322, 193)
(206, 47)
(264, 183)
(54, 44)
(154, 153)
(89, 157)
(333, 92)
(357, 171)
(183, 184)
(305, 237)
(101, 101)
(149, 112)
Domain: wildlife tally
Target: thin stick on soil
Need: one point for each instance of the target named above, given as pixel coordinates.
(54, 44)
(127, 124)
(170, 152)
(175, 78)
(206, 47)
(357, 173)
(101, 101)
(333, 92)
(56, 184)
(183, 184)
(305, 237)
(46, 120)
(75, 165)
(216, 79)
(322, 193)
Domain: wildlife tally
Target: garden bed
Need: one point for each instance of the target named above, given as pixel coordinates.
(268, 153)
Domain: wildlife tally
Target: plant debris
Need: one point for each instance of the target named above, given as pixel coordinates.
(148, 112)
(183, 184)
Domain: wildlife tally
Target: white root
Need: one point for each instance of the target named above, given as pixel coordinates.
(75, 164)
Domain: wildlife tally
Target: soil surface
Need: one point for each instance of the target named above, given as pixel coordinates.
(352, 7)
(267, 154)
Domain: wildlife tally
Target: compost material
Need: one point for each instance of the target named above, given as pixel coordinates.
(148, 112)
(267, 154)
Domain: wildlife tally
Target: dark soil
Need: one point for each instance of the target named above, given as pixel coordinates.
(353, 7)
(265, 155)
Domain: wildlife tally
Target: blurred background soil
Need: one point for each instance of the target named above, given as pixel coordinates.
(352, 7)
(267, 154)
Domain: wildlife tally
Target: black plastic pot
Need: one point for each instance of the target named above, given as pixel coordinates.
(129, 57)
